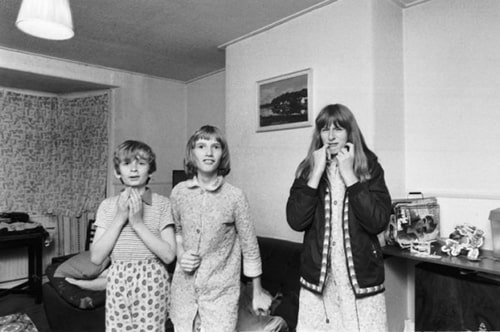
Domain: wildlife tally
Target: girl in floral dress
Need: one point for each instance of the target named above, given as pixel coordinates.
(213, 233)
(136, 229)
(340, 200)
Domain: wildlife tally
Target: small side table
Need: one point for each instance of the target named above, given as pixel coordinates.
(34, 242)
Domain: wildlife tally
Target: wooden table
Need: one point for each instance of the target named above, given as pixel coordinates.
(487, 262)
(34, 243)
(444, 298)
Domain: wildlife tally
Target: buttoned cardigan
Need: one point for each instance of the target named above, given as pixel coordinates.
(366, 213)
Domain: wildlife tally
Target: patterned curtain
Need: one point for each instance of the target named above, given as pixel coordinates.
(53, 153)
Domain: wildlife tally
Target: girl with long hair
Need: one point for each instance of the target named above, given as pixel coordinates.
(340, 200)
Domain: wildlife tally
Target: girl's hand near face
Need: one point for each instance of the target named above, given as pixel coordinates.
(345, 160)
(135, 208)
(190, 261)
(320, 160)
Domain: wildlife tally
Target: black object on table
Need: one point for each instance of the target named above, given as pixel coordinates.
(33, 240)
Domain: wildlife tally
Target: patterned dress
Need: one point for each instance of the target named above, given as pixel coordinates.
(215, 223)
(137, 288)
(337, 309)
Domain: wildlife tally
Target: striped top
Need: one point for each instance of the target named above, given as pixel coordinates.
(129, 246)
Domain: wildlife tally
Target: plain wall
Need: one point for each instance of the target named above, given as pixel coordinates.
(452, 75)
(206, 102)
(388, 93)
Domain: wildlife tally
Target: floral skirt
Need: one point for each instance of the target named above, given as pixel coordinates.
(337, 309)
(137, 295)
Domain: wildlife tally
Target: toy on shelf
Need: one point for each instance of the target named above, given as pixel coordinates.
(423, 249)
(413, 220)
(465, 240)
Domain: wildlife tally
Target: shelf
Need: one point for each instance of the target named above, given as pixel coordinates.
(487, 262)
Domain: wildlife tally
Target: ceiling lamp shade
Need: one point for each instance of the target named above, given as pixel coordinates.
(49, 19)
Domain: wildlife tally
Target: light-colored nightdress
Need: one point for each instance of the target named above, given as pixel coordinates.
(337, 309)
(215, 223)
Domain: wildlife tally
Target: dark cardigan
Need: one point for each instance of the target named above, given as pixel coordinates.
(366, 213)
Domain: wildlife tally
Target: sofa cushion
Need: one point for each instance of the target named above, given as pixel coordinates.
(74, 295)
(80, 267)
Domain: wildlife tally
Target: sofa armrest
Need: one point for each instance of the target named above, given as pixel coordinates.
(280, 264)
(281, 274)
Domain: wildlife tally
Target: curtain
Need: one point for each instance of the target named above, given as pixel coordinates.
(53, 152)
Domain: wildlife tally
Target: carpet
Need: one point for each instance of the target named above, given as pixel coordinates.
(17, 323)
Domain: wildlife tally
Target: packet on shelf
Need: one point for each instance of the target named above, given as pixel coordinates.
(465, 240)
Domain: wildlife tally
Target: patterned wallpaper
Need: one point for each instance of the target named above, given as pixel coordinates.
(53, 152)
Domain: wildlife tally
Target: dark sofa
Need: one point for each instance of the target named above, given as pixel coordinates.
(64, 317)
(280, 274)
(280, 260)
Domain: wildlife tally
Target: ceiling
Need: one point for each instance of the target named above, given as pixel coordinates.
(174, 39)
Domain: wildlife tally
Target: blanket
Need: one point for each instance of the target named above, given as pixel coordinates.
(17, 323)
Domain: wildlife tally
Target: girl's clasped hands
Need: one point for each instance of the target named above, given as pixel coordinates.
(130, 206)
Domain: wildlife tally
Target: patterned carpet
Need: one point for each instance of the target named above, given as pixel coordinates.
(17, 323)
(24, 304)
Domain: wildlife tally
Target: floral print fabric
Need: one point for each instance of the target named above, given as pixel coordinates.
(54, 152)
(216, 224)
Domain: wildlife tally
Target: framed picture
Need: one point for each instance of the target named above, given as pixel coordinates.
(284, 101)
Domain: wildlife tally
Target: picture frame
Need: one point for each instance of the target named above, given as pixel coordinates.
(284, 102)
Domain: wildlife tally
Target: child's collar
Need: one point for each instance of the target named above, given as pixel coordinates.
(193, 183)
(147, 196)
